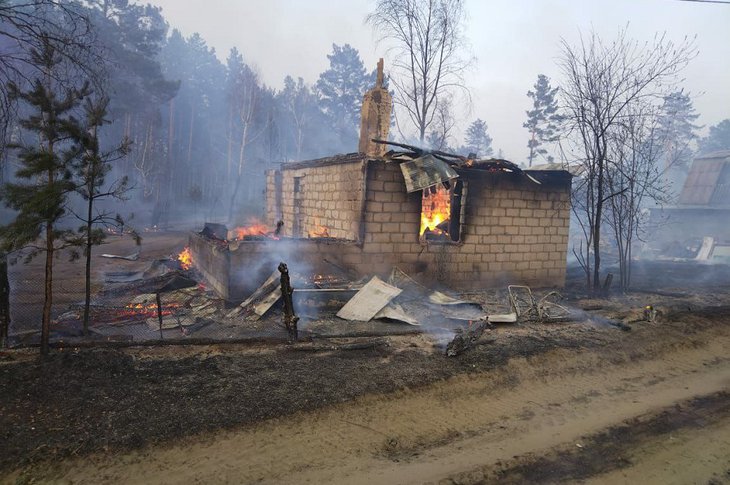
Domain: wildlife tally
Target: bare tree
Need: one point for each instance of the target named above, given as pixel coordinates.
(634, 174)
(602, 85)
(428, 61)
(28, 26)
(300, 103)
(443, 125)
(246, 97)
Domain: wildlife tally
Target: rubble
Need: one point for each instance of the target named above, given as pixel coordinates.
(371, 299)
(132, 257)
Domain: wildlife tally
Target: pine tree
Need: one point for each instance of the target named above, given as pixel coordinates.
(46, 171)
(717, 139)
(341, 88)
(543, 119)
(92, 168)
(676, 130)
(477, 140)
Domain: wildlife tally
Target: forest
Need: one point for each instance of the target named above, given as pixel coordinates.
(200, 132)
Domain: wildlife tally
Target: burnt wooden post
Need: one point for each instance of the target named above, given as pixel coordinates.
(159, 311)
(290, 319)
(4, 300)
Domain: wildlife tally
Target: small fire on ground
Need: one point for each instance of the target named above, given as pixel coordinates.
(141, 310)
(186, 258)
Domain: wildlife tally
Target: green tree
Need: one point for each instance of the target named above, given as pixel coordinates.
(46, 172)
(26, 26)
(477, 140)
(92, 169)
(717, 139)
(132, 36)
(341, 88)
(676, 130)
(543, 119)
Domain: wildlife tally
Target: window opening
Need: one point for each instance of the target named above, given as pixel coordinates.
(441, 212)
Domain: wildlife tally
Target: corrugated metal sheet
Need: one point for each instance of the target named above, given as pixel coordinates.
(721, 195)
(701, 181)
(426, 171)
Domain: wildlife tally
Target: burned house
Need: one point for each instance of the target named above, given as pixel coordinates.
(460, 222)
(700, 215)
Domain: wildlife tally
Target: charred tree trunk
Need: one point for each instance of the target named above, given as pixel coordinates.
(190, 134)
(48, 300)
(87, 275)
(229, 157)
(239, 174)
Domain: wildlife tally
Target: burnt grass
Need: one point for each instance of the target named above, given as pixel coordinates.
(76, 402)
(81, 401)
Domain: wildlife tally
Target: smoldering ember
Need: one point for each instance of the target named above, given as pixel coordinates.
(208, 277)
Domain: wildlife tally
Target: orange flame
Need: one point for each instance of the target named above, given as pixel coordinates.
(321, 231)
(186, 258)
(435, 209)
(149, 310)
(255, 228)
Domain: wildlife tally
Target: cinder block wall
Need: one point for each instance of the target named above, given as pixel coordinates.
(329, 196)
(237, 272)
(513, 230)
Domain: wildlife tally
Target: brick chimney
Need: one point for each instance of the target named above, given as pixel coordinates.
(377, 105)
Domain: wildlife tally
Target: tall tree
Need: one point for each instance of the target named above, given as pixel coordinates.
(132, 36)
(341, 88)
(444, 123)
(717, 139)
(46, 169)
(300, 103)
(676, 130)
(428, 61)
(543, 119)
(245, 96)
(477, 140)
(26, 27)
(604, 85)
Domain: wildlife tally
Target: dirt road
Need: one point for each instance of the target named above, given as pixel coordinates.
(653, 410)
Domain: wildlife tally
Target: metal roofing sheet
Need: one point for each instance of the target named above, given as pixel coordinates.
(426, 171)
(701, 182)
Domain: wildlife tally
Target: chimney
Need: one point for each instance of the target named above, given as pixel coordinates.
(377, 105)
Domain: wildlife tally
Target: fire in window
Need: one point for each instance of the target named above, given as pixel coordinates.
(441, 212)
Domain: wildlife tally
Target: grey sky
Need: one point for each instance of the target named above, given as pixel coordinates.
(513, 41)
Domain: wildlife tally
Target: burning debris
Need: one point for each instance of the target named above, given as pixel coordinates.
(186, 258)
(255, 230)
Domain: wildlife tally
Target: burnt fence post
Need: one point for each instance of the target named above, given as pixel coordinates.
(290, 319)
(4, 300)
